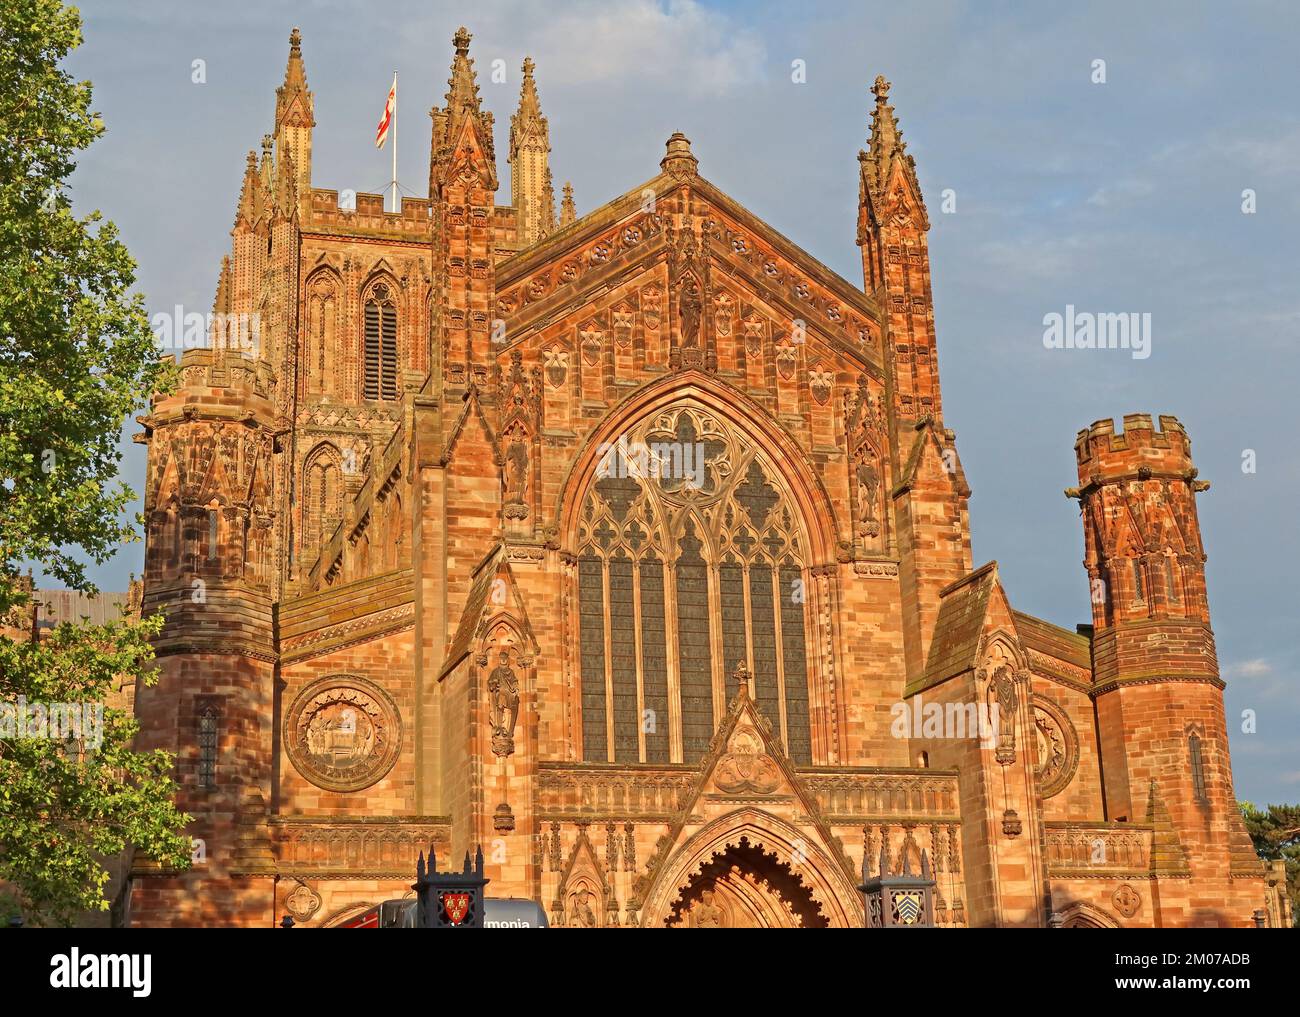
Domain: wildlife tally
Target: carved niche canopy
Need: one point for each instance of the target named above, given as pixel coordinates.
(343, 733)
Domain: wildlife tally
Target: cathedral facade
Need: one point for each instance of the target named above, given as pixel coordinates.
(633, 548)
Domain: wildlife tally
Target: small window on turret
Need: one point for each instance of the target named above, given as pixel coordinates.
(212, 534)
(1139, 587)
(208, 748)
(1198, 768)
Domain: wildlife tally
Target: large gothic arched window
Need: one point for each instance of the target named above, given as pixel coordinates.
(690, 562)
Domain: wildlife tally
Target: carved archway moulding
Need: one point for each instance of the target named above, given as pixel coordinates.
(343, 733)
(830, 887)
(1082, 915)
(701, 392)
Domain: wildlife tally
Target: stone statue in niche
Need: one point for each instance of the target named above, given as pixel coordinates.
(581, 912)
(692, 305)
(868, 479)
(517, 479)
(1003, 697)
(503, 699)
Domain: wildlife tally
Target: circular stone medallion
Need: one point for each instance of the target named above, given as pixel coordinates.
(343, 733)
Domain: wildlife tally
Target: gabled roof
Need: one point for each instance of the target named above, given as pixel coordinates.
(963, 607)
(555, 245)
(1053, 640)
(479, 608)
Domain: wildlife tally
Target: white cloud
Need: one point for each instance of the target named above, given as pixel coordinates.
(1256, 668)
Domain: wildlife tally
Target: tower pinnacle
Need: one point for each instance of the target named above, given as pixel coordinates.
(530, 146)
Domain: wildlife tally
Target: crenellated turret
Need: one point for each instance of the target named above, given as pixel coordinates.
(1159, 698)
(1137, 492)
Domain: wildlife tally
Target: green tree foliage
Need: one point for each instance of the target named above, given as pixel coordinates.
(1276, 833)
(76, 359)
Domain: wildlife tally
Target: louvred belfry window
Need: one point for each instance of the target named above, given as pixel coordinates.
(690, 561)
(380, 360)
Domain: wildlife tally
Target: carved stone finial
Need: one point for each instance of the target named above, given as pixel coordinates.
(881, 89)
(679, 161)
(742, 675)
(461, 40)
(295, 39)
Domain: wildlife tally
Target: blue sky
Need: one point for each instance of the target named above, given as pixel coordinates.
(1119, 196)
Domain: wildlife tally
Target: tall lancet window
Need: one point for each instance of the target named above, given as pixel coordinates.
(690, 562)
(380, 358)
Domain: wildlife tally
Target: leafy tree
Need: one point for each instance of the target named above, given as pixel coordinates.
(76, 359)
(1276, 833)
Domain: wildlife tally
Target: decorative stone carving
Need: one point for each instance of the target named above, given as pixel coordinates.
(557, 365)
(591, 340)
(343, 733)
(746, 768)
(1057, 747)
(819, 383)
(303, 902)
(1126, 899)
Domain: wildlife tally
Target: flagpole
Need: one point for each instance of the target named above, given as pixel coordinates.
(397, 207)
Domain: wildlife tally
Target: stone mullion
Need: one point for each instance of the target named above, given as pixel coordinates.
(749, 624)
(717, 651)
(607, 630)
(676, 752)
(778, 651)
(640, 667)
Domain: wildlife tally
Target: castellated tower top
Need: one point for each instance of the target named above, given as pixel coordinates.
(1139, 452)
(1137, 492)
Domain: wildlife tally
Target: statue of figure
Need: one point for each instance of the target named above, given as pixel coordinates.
(692, 306)
(503, 702)
(584, 917)
(706, 914)
(1002, 695)
(517, 472)
(868, 484)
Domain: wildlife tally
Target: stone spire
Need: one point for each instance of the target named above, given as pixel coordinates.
(249, 207)
(886, 152)
(568, 211)
(295, 116)
(548, 205)
(293, 102)
(462, 93)
(463, 107)
(530, 146)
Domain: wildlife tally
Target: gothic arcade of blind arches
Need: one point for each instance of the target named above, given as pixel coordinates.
(691, 557)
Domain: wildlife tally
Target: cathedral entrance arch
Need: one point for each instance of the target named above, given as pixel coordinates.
(750, 868)
(743, 887)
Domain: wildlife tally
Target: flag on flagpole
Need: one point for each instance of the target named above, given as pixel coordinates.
(386, 121)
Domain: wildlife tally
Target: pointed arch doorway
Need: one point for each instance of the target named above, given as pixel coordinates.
(744, 887)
